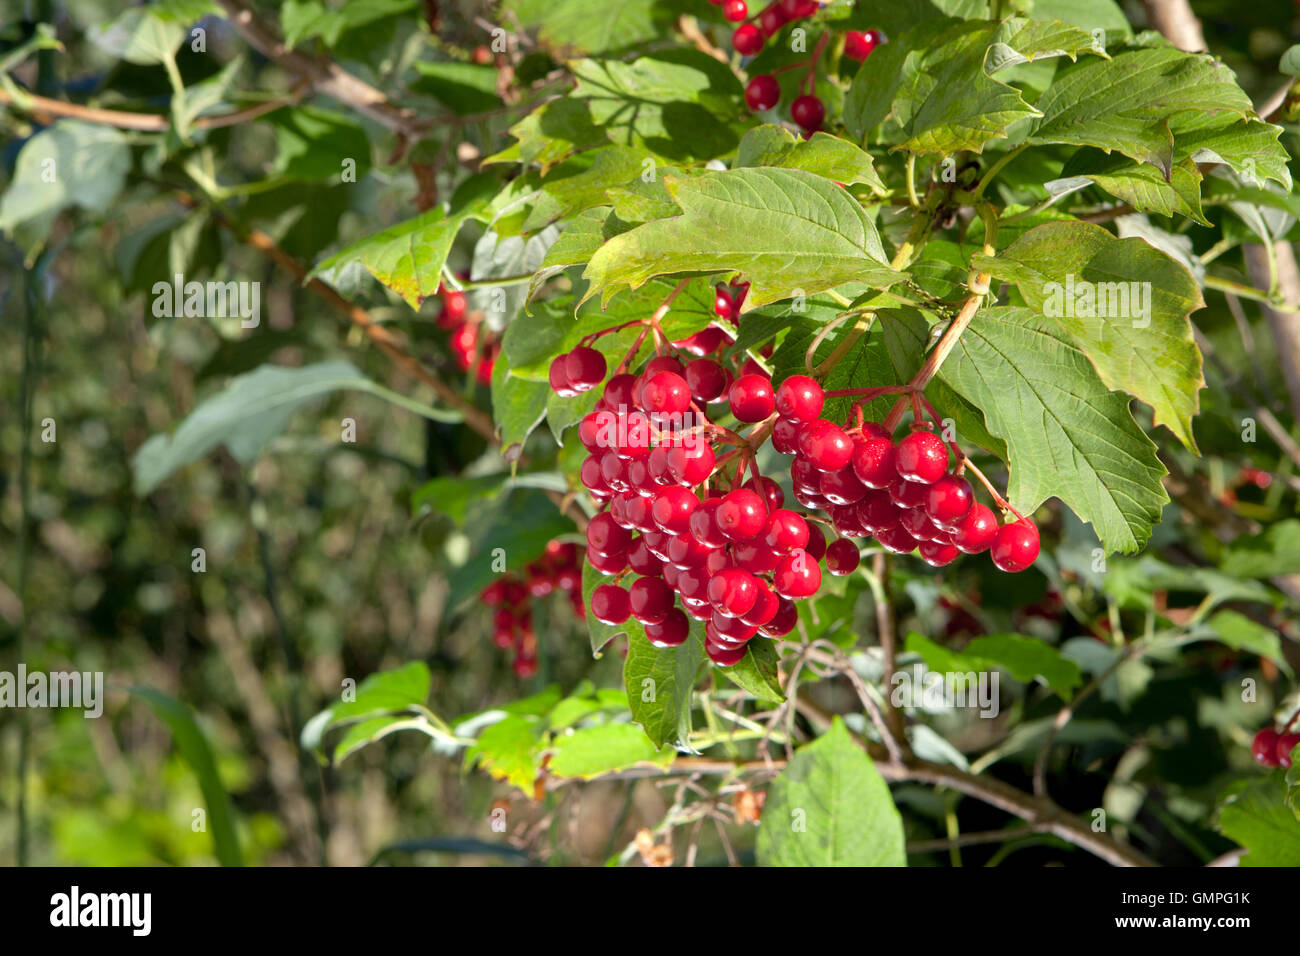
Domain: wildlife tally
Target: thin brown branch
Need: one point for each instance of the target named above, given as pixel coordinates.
(42, 107)
(324, 76)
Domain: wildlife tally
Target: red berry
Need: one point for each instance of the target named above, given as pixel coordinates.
(732, 592)
(808, 112)
(454, 305)
(761, 93)
(1016, 546)
(816, 545)
(618, 392)
(798, 9)
(908, 494)
(640, 560)
(826, 445)
(747, 40)
(877, 512)
(692, 462)
(896, 540)
(672, 631)
(771, 20)
(650, 599)
(874, 462)
(732, 628)
(799, 398)
(735, 10)
(672, 509)
(666, 394)
(706, 379)
(704, 525)
(609, 604)
(704, 342)
(923, 457)
(559, 378)
(783, 622)
(842, 487)
(785, 531)
(1285, 744)
(858, 45)
(785, 436)
(949, 500)
(1264, 747)
(976, 531)
(917, 523)
(798, 575)
(741, 514)
(765, 606)
(585, 368)
(604, 536)
(751, 398)
(524, 667)
(607, 563)
(842, 557)
(767, 488)
(937, 553)
(724, 656)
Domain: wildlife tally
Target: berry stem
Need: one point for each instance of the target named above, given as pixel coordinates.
(1287, 728)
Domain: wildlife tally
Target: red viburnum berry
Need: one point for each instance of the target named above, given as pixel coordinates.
(842, 557)
(1285, 744)
(1264, 747)
(751, 398)
(785, 436)
(609, 604)
(771, 20)
(799, 398)
(808, 112)
(874, 462)
(672, 631)
(672, 509)
(747, 39)
(761, 93)
(667, 393)
(741, 514)
(691, 462)
(604, 536)
(785, 531)
(937, 553)
(976, 531)
(559, 378)
(922, 457)
(797, 576)
(735, 10)
(1016, 546)
(733, 591)
(650, 599)
(585, 368)
(858, 44)
(949, 500)
(706, 379)
(826, 445)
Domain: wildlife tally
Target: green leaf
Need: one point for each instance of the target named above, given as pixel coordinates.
(828, 156)
(195, 750)
(510, 750)
(70, 163)
(1140, 184)
(385, 692)
(304, 19)
(1242, 634)
(1258, 819)
(757, 672)
(313, 143)
(1293, 782)
(578, 26)
(518, 533)
(579, 241)
(938, 87)
(1275, 552)
(830, 807)
(580, 183)
(1067, 436)
(550, 133)
(408, 257)
(659, 682)
(681, 105)
(463, 88)
(788, 231)
(1024, 658)
(1127, 103)
(1290, 62)
(366, 732)
(137, 35)
(250, 411)
(1133, 583)
(608, 748)
(1125, 305)
(1249, 146)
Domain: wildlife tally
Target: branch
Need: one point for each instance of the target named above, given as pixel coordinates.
(144, 122)
(1175, 19)
(324, 76)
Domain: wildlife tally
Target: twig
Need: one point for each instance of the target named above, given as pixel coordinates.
(141, 122)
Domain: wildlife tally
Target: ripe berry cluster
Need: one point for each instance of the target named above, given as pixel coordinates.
(465, 335)
(558, 569)
(1272, 749)
(763, 92)
(692, 529)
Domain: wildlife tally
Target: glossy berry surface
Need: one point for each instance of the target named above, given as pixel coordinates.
(1264, 747)
(610, 604)
(922, 457)
(1285, 744)
(799, 399)
(741, 514)
(735, 10)
(842, 557)
(949, 500)
(808, 112)
(1015, 547)
(761, 93)
(747, 39)
(751, 398)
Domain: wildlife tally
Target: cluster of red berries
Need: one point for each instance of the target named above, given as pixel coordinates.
(1272, 749)
(736, 558)
(558, 569)
(763, 92)
(465, 335)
